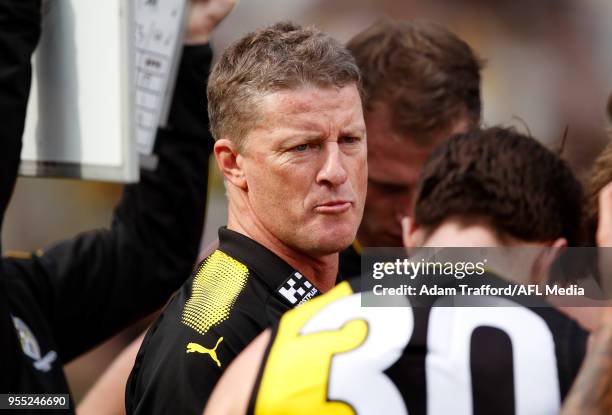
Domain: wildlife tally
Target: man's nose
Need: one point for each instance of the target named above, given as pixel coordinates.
(333, 171)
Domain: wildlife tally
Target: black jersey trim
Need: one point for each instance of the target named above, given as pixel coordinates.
(260, 371)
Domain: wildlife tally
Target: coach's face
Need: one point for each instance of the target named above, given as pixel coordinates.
(305, 166)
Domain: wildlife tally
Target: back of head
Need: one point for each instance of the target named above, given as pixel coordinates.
(428, 76)
(511, 181)
(283, 56)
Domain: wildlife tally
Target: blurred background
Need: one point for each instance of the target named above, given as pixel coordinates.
(548, 70)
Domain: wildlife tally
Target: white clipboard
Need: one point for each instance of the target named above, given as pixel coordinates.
(86, 100)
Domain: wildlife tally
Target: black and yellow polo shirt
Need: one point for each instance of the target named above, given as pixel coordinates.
(235, 293)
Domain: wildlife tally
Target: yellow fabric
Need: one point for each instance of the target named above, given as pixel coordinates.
(21, 254)
(357, 246)
(295, 378)
(214, 291)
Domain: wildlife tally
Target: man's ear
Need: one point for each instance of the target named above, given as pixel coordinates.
(230, 161)
(559, 243)
(540, 270)
(410, 233)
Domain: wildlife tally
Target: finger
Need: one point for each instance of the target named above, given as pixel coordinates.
(204, 17)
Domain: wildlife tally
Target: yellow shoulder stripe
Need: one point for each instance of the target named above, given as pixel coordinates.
(215, 287)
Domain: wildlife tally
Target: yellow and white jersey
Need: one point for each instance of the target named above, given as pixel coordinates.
(334, 356)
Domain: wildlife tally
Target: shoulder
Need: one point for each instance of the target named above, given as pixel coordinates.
(213, 290)
(197, 336)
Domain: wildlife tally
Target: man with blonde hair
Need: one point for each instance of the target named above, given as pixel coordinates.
(286, 113)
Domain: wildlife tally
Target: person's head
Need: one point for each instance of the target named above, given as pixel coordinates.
(422, 85)
(286, 113)
(601, 175)
(499, 182)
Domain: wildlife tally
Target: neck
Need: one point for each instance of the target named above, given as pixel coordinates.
(510, 259)
(457, 234)
(321, 270)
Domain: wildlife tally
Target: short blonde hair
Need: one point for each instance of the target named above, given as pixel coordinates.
(280, 57)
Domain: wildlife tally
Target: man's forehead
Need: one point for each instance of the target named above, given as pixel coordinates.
(396, 148)
(393, 157)
(380, 123)
(393, 160)
(390, 149)
(312, 107)
(311, 99)
(394, 170)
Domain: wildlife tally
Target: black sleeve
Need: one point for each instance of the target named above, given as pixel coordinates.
(95, 284)
(19, 33)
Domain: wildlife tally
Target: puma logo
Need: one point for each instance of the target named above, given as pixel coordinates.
(195, 347)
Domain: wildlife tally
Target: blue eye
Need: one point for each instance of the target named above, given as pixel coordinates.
(306, 147)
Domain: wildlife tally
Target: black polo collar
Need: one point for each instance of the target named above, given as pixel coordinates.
(286, 282)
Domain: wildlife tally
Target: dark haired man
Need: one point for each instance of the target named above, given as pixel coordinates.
(493, 188)
(422, 85)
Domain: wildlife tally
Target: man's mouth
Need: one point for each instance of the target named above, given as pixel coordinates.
(334, 206)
